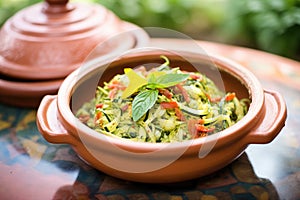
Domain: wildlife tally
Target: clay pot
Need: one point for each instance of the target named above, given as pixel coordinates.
(161, 162)
(43, 43)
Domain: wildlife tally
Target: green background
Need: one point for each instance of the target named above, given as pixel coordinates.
(269, 25)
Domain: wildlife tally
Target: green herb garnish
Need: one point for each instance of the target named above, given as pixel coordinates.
(147, 98)
(143, 102)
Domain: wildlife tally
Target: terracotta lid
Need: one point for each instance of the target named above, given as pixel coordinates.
(40, 45)
(51, 39)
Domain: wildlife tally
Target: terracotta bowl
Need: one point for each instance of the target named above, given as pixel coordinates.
(161, 162)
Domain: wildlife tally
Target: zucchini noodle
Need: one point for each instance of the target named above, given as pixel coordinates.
(190, 109)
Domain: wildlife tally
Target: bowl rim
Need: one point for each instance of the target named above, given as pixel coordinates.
(225, 136)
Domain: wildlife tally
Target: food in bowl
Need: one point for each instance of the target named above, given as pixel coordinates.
(161, 162)
(162, 104)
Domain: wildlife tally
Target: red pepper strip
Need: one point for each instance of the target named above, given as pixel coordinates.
(166, 93)
(213, 100)
(204, 129)
(208, 96)
(197, 130)
(184, 93)
(195, 76)
(116, 84)
(125, 107)
(112, 93)
(173, 105)
(201, 121)
(169, 105)
(179, 114)
(98, 115)
(99, 105)
(230, 96)
(192, 123)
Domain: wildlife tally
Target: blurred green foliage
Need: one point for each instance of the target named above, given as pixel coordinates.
(270, 25)
(196, 18)
(9, 7)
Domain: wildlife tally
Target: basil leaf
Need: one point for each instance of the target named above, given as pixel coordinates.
(169, 80)
(153, 86)
(152, 78)
(143, 102)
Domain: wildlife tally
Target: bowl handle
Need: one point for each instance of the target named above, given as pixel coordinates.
(275, 113)
(48, 123)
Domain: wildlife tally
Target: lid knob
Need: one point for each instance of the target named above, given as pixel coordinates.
(57, 6)
(57, 2)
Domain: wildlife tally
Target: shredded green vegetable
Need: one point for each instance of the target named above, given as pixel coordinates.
(161, 105)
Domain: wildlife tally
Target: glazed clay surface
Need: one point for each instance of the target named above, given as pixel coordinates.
(42, 44)
(49, 40)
